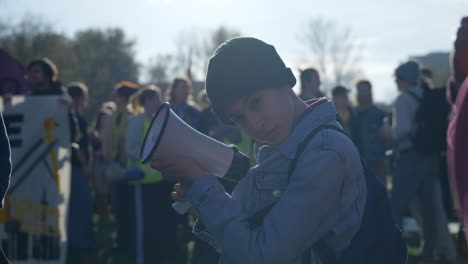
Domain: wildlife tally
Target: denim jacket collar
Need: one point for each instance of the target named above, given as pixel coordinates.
(319, 116)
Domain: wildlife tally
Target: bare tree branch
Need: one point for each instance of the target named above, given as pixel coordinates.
(334, 51)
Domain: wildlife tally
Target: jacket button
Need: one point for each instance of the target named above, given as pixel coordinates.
(276, 193)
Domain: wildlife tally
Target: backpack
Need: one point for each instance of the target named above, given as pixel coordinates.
(378, 239)
(431, 121)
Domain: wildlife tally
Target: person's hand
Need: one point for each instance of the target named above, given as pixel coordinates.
(179, 195)
(179, 169)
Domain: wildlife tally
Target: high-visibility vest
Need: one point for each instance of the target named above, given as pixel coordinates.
(116, 134)
(151, 175)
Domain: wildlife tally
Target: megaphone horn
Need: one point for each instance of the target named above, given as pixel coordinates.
(169, 135)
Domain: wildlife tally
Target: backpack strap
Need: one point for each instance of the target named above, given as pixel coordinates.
(323, 250)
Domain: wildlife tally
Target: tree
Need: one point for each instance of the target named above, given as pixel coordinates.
(33, 38)
(105, 58)
(158, 69)
(99, 58)
(334, 51)
(218, 37)
(194, 48)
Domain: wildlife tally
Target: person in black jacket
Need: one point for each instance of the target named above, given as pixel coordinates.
(5, 169)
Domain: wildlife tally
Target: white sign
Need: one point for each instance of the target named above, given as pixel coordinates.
(33, 220)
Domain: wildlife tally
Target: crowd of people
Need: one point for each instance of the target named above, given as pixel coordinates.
(404, 146)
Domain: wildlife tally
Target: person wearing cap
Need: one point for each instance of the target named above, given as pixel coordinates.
(306, 199)
(346, 114)
(416, 172)
(457, 141)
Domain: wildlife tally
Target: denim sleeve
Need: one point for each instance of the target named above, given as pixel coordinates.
(308, 208)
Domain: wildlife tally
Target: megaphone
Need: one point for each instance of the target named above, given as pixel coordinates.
(169, 135)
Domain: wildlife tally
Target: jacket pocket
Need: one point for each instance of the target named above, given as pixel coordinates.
(269, 186)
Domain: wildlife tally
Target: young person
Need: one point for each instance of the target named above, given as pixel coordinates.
(309, 199)
(81, 237)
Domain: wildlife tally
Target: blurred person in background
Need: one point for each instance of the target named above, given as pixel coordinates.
(5, 169)
(416, 172)
(114, 154)
(179, 95)
(442, 110)
(372, 137)
(310, 84)
(81, 239)
(150, 217)
(346, 113)
(104, 222)
(100, 185)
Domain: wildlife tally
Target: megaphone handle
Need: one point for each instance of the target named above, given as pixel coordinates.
(181, 207)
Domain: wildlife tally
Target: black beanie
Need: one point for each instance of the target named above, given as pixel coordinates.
(240, 67)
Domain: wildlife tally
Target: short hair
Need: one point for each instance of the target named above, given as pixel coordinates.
(77, 89)
(339, 91)
(306, 75)
(364, 82)
(150, 91)
(48, 67)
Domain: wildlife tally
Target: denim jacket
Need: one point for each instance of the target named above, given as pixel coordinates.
(325, 197)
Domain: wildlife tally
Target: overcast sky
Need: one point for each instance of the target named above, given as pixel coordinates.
(390, 31)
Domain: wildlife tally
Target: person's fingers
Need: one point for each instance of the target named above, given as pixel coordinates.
(179, 188)
(176, 197)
